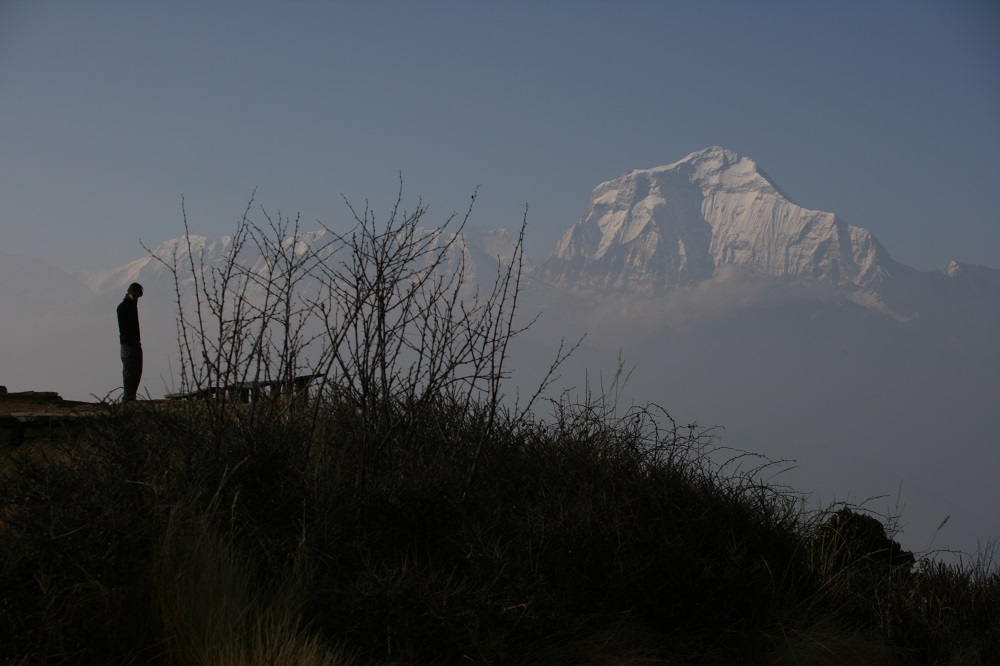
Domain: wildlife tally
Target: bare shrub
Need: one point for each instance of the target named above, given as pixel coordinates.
(382, 319)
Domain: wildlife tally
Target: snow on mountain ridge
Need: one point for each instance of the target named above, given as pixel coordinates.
(722, 169)
(470, 252)
(150, 267)
(713, 215)
(652, 229)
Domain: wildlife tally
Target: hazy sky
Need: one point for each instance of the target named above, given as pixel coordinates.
(886, 113)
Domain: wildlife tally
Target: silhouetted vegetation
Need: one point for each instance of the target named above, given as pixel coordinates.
(587, 540)
(406, 514)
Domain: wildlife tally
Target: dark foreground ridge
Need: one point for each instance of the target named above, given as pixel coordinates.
(335, 531)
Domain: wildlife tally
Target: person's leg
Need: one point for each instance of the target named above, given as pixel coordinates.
(138, 370)
(126, 351)
(131, 371)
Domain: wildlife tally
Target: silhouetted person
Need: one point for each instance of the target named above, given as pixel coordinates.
(128, 335)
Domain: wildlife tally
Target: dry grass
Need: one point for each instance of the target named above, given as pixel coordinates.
(215, 613)
(586, 541)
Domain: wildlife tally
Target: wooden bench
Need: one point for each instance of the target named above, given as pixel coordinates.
(249, 391)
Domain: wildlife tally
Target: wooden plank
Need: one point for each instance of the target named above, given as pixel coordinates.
(249, 391)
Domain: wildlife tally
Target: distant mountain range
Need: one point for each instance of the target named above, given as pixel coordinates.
(712, 215)
(651, 230)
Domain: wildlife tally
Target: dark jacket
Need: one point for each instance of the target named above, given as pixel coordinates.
(128, 322)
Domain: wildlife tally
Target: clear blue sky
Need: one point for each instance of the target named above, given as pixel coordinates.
(886, 113)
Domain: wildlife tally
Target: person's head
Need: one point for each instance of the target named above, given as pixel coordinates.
(135, 290)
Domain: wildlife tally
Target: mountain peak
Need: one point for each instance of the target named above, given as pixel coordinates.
(712, 154)
(679, 223)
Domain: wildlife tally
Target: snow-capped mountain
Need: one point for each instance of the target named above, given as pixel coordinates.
(653, 229)
(151, 269)
(475, 253)
(712, 215)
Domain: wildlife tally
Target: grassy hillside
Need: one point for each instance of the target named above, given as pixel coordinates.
(454, 534)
